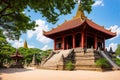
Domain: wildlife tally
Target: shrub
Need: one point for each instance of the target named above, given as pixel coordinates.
(69, 65)
(102, 62)
(117, 61)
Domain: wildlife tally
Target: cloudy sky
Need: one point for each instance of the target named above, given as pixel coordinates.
(104, 12)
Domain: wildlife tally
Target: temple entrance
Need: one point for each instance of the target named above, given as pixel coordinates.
(90, 42)
(100, 45)
(77, 40)
(68, 42)
(58, 43)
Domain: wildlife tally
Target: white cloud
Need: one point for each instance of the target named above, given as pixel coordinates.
(38, 32)
(18, 43)
(31, 46)
(113, 45)
(98, 3)
(115, 29)
(45, 47)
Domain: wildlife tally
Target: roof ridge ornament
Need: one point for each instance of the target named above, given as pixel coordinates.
(80, 14)
(25, 44)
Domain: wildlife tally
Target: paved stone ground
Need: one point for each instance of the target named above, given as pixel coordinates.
(39, 74)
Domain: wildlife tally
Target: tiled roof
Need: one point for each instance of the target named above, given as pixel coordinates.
(65, 26)
(74, 23)
(99, 28)
(16, 55)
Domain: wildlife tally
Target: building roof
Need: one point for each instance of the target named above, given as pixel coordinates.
(74, 23)
(99, 28)
(16, 55)
(78, 21)
(65, 26)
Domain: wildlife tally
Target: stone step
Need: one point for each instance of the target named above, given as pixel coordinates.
(85, 58)
(76, 50)
(85, 68)
(82, 65)
(91, 67)
(87, 54)
(85, 62)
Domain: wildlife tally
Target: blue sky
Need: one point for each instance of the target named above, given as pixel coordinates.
(104, 12)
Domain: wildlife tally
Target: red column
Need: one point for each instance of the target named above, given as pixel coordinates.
(63, 43)
(67, 44)
(54, 44)
(73, 41)
(82, 40)
(95, 43)
(104, 44)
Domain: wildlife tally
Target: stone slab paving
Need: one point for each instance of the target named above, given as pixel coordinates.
(39, 74)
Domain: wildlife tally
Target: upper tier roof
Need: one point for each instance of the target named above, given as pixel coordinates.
(74, 23)
(77, 21)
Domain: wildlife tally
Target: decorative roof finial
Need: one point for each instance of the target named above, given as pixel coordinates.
(80, 13)
(25, 44)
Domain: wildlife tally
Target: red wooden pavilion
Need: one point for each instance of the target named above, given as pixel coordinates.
(79, 32)
(16, 57)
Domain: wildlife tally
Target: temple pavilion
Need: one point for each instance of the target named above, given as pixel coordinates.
(17, 57)
(78, 40)
(79, 32)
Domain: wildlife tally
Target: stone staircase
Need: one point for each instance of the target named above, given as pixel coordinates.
(56, 59)
(85, 61)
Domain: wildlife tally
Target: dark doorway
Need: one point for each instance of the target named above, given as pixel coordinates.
(90, 42)
(100, 45)
(68, 42)
(58, 43)
(77, 40)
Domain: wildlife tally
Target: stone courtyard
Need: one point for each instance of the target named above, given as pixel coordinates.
(39, 74)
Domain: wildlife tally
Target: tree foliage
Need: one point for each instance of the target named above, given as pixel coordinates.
(86, 5)
(118, 50)
(5, 49)
(29, 52)
(14, 21)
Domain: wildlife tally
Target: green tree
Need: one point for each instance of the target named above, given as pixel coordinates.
(118, 50)
(86, 5)
(14, 22)
(5, 49)
(45, 54)
(28, 54)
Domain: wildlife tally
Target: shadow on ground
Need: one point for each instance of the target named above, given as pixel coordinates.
(13, 70)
